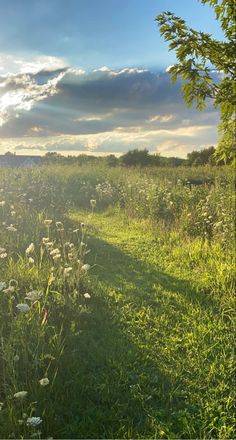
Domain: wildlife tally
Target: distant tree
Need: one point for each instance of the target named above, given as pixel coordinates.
(200, 57)
(9, 154)
(202, 157)
(112, 160)
(136, 158)
(172, 161)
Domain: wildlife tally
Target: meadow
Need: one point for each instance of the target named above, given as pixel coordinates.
(116, 302)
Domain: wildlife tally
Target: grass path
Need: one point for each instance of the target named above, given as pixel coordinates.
(151, 352)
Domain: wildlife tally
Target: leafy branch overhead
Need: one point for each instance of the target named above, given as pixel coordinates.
(206, 66)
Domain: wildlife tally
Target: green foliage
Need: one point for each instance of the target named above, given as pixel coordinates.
(202, 157)
(136, 158)
(141, 346)
(207, 67)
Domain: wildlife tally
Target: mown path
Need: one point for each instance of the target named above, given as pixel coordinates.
(151, 357)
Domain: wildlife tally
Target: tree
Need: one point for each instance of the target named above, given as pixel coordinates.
(136, 158)
(207, 67)
(201, 157)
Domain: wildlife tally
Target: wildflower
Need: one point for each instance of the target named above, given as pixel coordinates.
(93, 203)
(9, 289)
(20, 394)
(45, 240)
(87, 296)
(30, 249)
(44, 382)
(48, 222)
(56, 257)
(82, 225)
(54, 252)
(16, 358)
(2, 285)
(23, 308)
(34, 295)
(11, 228)
(86, 267)
(2, 203)
(13, 213)
(31, 260)
(3, 256)
(33, 421)
(49, 245)
(67, 271)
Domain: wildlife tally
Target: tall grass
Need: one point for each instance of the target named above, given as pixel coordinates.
(44, 275)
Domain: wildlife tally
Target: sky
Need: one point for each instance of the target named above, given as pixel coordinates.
(88, 76)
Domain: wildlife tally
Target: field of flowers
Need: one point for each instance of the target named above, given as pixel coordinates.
(61, 297)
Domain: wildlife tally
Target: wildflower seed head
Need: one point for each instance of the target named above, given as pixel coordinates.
(87, 296)
(48, 222)
(33, 421)
(30, 249)
(20, 394)
(23, 308)
(44, 382)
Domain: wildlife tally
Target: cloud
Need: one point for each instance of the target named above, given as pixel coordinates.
(104, 110)
(21, 91)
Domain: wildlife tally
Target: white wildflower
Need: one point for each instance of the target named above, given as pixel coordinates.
(54, 252)
(87, 296)
(44, 382)
(21, 394)
(33, 421)
(3, 256)
(56, 257)
(11, 228)
(48, 222)
(86, 267)
(9, 289)
(45, 240)
(93, 203)
(30, 249)
(67, 271)
(31, 260)
(2, 203)
(23, 308)
(34, 295)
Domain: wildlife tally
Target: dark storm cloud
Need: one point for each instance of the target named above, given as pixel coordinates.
(103, 111)
(97, 102)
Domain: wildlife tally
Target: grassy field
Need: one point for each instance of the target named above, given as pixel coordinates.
(117, 303)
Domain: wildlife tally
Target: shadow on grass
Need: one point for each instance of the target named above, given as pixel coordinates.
(112, 389)
(141, 282)
(116, 388)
